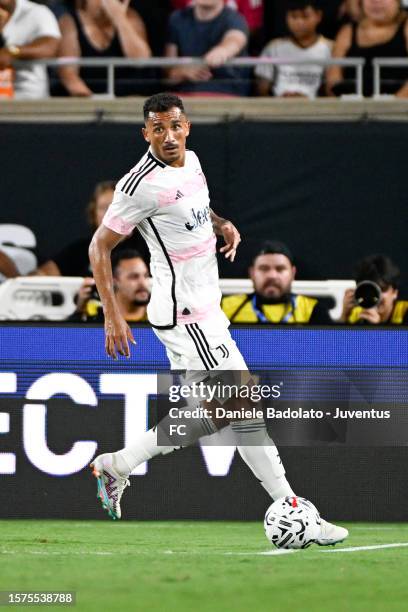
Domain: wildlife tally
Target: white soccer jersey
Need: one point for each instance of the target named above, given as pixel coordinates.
(304, 79)
(171, 207)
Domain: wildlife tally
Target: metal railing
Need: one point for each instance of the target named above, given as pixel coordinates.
(52, 297)
(382, 62)
(111, 63)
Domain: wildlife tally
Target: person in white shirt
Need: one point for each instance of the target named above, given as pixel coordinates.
(166, 195)
(304, 43)
(30, 31)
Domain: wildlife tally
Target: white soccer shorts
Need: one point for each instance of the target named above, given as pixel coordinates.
(204, 346)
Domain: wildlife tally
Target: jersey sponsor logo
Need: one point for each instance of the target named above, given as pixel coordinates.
(198, 218)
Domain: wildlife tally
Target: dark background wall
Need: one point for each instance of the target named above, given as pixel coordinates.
(333, 191)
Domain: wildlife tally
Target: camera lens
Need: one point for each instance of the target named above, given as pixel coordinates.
(367, 294)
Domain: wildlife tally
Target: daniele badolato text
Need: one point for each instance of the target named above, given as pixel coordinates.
(274, 413)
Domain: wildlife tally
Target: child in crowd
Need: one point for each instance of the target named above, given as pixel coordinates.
(304, 43)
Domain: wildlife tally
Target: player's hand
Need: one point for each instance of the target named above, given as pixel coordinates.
(371, 315)
(348, 305)
(117, 336)
(232, 239)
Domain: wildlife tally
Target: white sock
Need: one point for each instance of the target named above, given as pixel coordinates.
(142, 449)
(146, 447)
(262, 457)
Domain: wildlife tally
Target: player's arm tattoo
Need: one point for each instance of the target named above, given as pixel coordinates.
(217, 223)
(226, 229)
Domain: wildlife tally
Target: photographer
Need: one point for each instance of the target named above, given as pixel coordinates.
(131, 284)
(272, 273)
(375, 299)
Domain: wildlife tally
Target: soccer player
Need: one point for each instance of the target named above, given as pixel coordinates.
(166, 196)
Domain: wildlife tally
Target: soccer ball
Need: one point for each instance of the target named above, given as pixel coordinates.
(292, 522)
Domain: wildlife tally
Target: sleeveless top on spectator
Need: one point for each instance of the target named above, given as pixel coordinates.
(126, 79)
(392, 79)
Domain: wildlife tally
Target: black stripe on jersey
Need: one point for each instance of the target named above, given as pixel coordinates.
(199, 347)
(173, 277)
(137, 177)
(158, 161)
(133, 174)
(132, 189)
(200, 334)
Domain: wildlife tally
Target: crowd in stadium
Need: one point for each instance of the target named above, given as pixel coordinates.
(215, 31)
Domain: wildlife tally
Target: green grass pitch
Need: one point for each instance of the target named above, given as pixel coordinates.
(202, 566)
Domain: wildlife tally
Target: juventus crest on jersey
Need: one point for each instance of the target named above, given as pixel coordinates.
(171, 208)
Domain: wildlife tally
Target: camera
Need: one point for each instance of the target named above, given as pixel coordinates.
(367, 294)
(94, 304)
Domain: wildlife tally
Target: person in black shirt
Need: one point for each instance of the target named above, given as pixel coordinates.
(101, 30)
(73, 259)
(381, 32)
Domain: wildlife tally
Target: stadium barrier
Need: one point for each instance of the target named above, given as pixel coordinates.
(111, 63)
(382, 62)
(53, 297)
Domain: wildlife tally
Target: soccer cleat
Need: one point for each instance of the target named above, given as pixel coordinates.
(330, 534)
(110, 484)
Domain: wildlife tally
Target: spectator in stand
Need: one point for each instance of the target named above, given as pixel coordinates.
(272, 301)
(131, 286)
(73, 260)
(216, 33)
(252, 10)
(382, 271)
(382, 31)
(304, 43)
(101, 29)
(29, 32)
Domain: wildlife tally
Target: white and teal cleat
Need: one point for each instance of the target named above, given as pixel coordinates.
(331, 534)
(110, 485)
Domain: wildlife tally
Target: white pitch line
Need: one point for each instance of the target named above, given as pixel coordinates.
(358, 548)
(54, 552)
(379, 528)
(267, 553)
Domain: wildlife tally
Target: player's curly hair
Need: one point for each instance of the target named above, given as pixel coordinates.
(161, 102)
